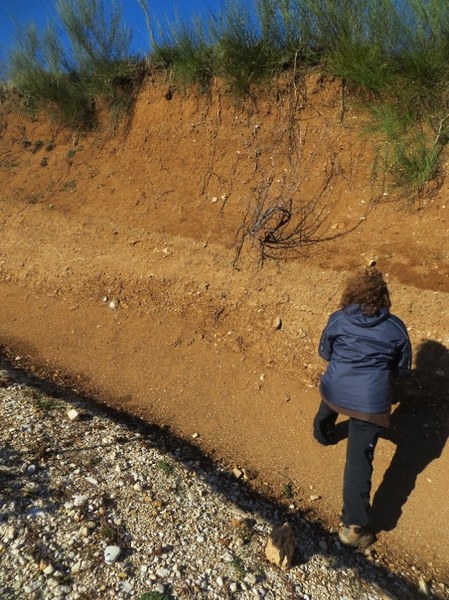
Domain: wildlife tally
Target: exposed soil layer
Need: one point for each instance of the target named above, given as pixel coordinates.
(147, 217)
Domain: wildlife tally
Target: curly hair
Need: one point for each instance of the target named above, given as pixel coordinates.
(367, 288)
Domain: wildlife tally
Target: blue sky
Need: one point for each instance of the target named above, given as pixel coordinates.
(41, 12)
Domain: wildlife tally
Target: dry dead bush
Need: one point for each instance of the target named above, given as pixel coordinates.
(281, 222)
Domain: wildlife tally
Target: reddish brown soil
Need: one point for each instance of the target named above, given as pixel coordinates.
(149, 216)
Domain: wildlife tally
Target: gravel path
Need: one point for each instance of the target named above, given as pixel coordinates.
(183, 527)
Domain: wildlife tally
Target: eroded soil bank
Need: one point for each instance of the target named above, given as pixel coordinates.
(148, 219)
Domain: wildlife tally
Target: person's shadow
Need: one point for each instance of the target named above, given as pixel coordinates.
(419, 428)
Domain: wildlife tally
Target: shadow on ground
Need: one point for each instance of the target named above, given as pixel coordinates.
(419, 429)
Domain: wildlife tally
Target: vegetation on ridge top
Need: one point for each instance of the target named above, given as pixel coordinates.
(392, 53)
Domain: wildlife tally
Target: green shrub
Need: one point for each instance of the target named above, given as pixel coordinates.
(96, 65)
(288, 491)
(239, 567)
(414, 162)
(246, 50)
(165, 466)
(411, 154)
(35, 71)
(186, 51)
(154, 596)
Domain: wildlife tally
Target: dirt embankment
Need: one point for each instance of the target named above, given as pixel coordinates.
(148, 219)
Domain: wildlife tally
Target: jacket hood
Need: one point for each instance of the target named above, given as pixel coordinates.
(355, 315)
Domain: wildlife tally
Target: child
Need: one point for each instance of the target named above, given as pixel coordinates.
(365, 346)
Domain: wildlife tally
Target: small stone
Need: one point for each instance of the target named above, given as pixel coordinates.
(423, 587)
(111, 554)
(277, 323)
(340, 225)
(73, 415)
(63, 590)
(195, 435)
(79, 500)
(214, 199)
(388, 596)
(125, 587)
(220, 581)
(49, 570)
(280, 546)
(31, 469)
(36, 512)
(75, 568)
(160, 588)
(161, 572)
(250, 578)
(92, 480)
(237, 472)
(315, 497)
(238, 523)
(137, 487)
(83, 531)
(233, 587)
(113, 304)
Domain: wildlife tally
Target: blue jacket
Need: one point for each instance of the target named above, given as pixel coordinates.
(363, 352)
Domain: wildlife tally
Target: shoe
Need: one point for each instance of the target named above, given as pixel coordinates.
(356, 537)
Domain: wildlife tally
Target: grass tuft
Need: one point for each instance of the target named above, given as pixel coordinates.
(166, 467)
(154, 596)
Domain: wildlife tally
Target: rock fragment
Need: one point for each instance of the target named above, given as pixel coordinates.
(111, 554)
(277, 323)
(73, 415)
(280, 546)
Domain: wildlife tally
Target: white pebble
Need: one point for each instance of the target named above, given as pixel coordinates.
(163, 572)
(111, 554)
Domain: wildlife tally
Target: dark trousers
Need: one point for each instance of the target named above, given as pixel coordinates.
(362, 440)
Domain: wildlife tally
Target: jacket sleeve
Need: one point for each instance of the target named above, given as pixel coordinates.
(403, 362)
(327, 340)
